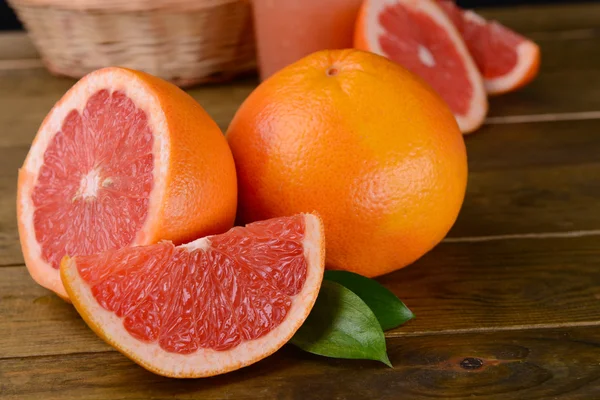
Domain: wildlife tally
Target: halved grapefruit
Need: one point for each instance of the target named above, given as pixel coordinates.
(123, 158)
(419, 35)
(506, 59)
(207, 307)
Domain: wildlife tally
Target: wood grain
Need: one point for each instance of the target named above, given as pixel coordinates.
(500, 285)
(26, 97)
(551, 93)
(568, 62)
(540, 182)
(484, 286)
(37, 322)
(10, 249)
(17, 46)
(504, 309)
(542, 199)
(529, 20)
(533, 145)
(569, 65)
(535, 364)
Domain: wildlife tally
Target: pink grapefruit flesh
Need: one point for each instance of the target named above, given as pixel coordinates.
(506, 59)
(96, 199)
(123, 158)
(418, 35)
(207, 307)
(87, 181)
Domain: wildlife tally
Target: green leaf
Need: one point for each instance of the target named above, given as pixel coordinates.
(341, 325)
(388, 309)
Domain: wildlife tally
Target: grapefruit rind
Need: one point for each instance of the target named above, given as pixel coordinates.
(369, 31)
(114, 79)
(203, 362)
(528, 64)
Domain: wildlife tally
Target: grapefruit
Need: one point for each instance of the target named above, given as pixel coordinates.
(365, 143)
(207, 307)
(506, 59)
(123, 158)
(418, 35)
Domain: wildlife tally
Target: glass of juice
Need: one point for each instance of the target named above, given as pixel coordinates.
(287, 30)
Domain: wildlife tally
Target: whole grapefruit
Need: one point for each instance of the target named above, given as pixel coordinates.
(367, 144)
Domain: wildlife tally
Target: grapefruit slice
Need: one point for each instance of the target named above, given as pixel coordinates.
(506, 59)
(419, 35)
(207, 307)
(123, 158)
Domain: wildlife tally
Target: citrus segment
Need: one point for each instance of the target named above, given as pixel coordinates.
(419, 36)
(506, 59)
(206, 307)
(123, 158)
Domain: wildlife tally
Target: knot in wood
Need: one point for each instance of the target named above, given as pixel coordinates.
(471, 363)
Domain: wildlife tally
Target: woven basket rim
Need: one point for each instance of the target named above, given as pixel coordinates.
(123, 5)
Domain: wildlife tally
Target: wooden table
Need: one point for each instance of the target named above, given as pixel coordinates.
(508, 307)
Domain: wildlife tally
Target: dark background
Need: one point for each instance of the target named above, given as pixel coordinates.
(8, 21)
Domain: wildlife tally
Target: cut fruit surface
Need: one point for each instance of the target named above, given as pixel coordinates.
(207, 307)
(419, 35)
(506, 59)
(123, 158)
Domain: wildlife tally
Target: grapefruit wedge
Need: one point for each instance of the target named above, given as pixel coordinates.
(420, 36)
(506, 59)
(123, 158)
(207, 307)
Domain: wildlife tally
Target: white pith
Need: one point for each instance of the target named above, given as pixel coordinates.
(527, 54)
(426, 57)
(90, 183)
(373, 30)
(76, 98)
(472, 16)
(204, 362)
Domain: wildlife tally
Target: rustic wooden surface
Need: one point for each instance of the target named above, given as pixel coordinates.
(508, 307)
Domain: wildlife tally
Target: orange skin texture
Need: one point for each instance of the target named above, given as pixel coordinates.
(201, 184)
(363, 142)
(201, 196)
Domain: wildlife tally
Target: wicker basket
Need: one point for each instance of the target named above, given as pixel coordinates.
(184, 41)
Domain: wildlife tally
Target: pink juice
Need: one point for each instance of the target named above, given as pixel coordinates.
(287, 30)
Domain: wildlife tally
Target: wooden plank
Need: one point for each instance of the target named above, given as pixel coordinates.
(530, 19)
(533, 145)
(499, 284)
(37, 322)
(551, 93)
(26, 97)
(16, 46)
(569, 65)
(457, 287)
(538, 364)
(533, 200)
(526, 178)
(472, 298)
(10, 249)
